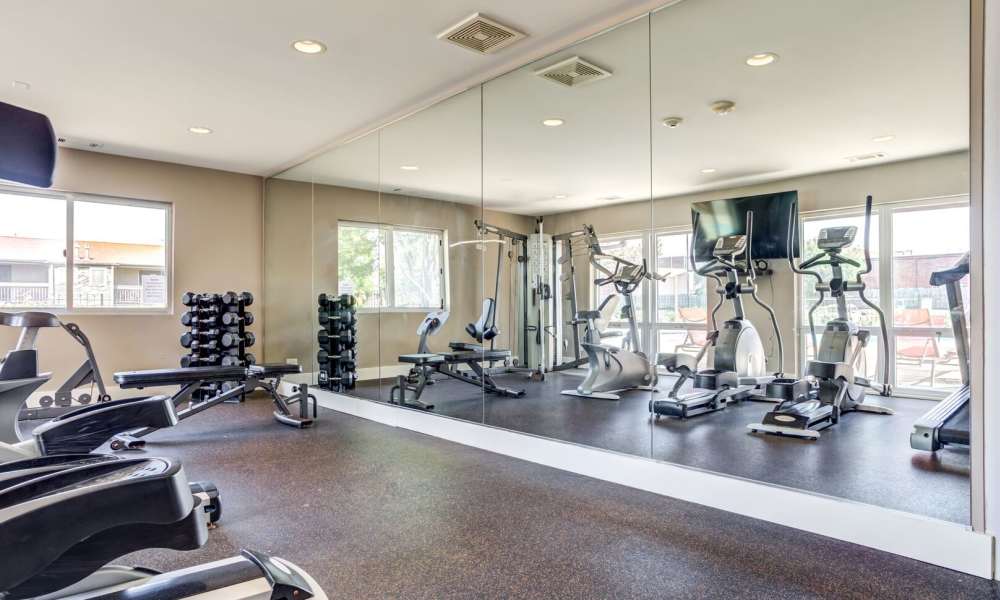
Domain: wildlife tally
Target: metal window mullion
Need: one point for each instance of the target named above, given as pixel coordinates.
(887, 293)
(390, 283)
(70, 254)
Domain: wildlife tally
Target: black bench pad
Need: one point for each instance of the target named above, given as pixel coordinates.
(155, 377)
(274, 369)
(484, 356)
(421, 359)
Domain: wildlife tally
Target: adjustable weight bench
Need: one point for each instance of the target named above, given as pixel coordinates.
(266, 377)
(190, 380)
(425, 364)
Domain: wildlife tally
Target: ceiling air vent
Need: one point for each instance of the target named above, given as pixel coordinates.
(573, 72)
(480, 34)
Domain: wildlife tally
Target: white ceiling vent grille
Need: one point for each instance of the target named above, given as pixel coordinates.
(573, 72)
(481, 34)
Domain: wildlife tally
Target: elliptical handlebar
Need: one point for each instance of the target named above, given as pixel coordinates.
(868, 255)
(705, 273)
(751, 276)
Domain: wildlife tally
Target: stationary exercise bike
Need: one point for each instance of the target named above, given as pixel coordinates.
(831, 386)
(739, 363)
(611, 369)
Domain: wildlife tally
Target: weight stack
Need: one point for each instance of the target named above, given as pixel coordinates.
(217, 335)
(338, 342)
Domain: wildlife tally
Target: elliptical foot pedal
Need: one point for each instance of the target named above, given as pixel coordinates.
(805, 434)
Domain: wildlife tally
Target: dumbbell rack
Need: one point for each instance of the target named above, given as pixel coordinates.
(217, 334)
(337, 337)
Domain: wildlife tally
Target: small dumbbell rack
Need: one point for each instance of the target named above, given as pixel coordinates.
(218, 334)
(338, 340)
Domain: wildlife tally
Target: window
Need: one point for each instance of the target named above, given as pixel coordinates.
(906, 247)
(391, 268)
(924, 344)
(100, 240)
(679, 322)
(681, 306)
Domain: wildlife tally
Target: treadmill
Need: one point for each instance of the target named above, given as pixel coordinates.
(948, 423)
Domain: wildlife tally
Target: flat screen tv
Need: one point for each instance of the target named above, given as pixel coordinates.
(728, 217)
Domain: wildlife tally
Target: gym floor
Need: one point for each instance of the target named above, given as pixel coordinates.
(866, 457)
(378, 512)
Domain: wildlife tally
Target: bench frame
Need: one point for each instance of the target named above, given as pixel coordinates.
(425, 364)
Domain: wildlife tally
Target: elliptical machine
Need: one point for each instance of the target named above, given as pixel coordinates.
(739, 365)
(831, 387)
(611, 369)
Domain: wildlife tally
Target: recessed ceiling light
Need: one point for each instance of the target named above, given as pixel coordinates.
(410, 168)
(200, 130)
(553, 122)
(761, 59)
(21, 85)
(309, 46)
(883, 138)
(559, 197)
(723, 107)
(707, 171)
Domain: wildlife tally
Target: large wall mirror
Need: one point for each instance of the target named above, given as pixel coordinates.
(564, 136)
(658, 242)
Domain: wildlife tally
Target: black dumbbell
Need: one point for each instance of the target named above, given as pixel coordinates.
(232, 298)
(196, 360)
(230, 340)
(193, 299)
(342, 317)
(343, 300)
(232, 360)
(192, 319)
(234, 318)
(199, 334)
(250, 358)
(344, 356)
(200, 346)
(345, 338)
(345, 379)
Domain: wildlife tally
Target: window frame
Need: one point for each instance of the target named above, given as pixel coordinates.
(386, 232)
(69, 243)
(649, 327)
(886, 263)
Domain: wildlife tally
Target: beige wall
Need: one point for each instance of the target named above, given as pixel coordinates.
(906, 180)
(297, 271)
(216, 238)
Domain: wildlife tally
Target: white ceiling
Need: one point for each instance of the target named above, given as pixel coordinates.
(134, 76)
(848, 71)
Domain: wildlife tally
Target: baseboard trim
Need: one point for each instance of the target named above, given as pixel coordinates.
(921, 538)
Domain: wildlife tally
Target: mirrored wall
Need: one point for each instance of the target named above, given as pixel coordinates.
(658, 242)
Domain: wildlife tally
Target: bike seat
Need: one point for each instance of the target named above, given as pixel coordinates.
(30, 319)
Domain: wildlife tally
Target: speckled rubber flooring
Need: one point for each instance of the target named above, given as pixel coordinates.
(866, 457)
(377, 512)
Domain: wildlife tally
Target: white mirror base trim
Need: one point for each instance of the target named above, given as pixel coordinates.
(921, 538)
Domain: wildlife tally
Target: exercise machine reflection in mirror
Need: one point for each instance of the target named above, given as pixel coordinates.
(739, 362)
